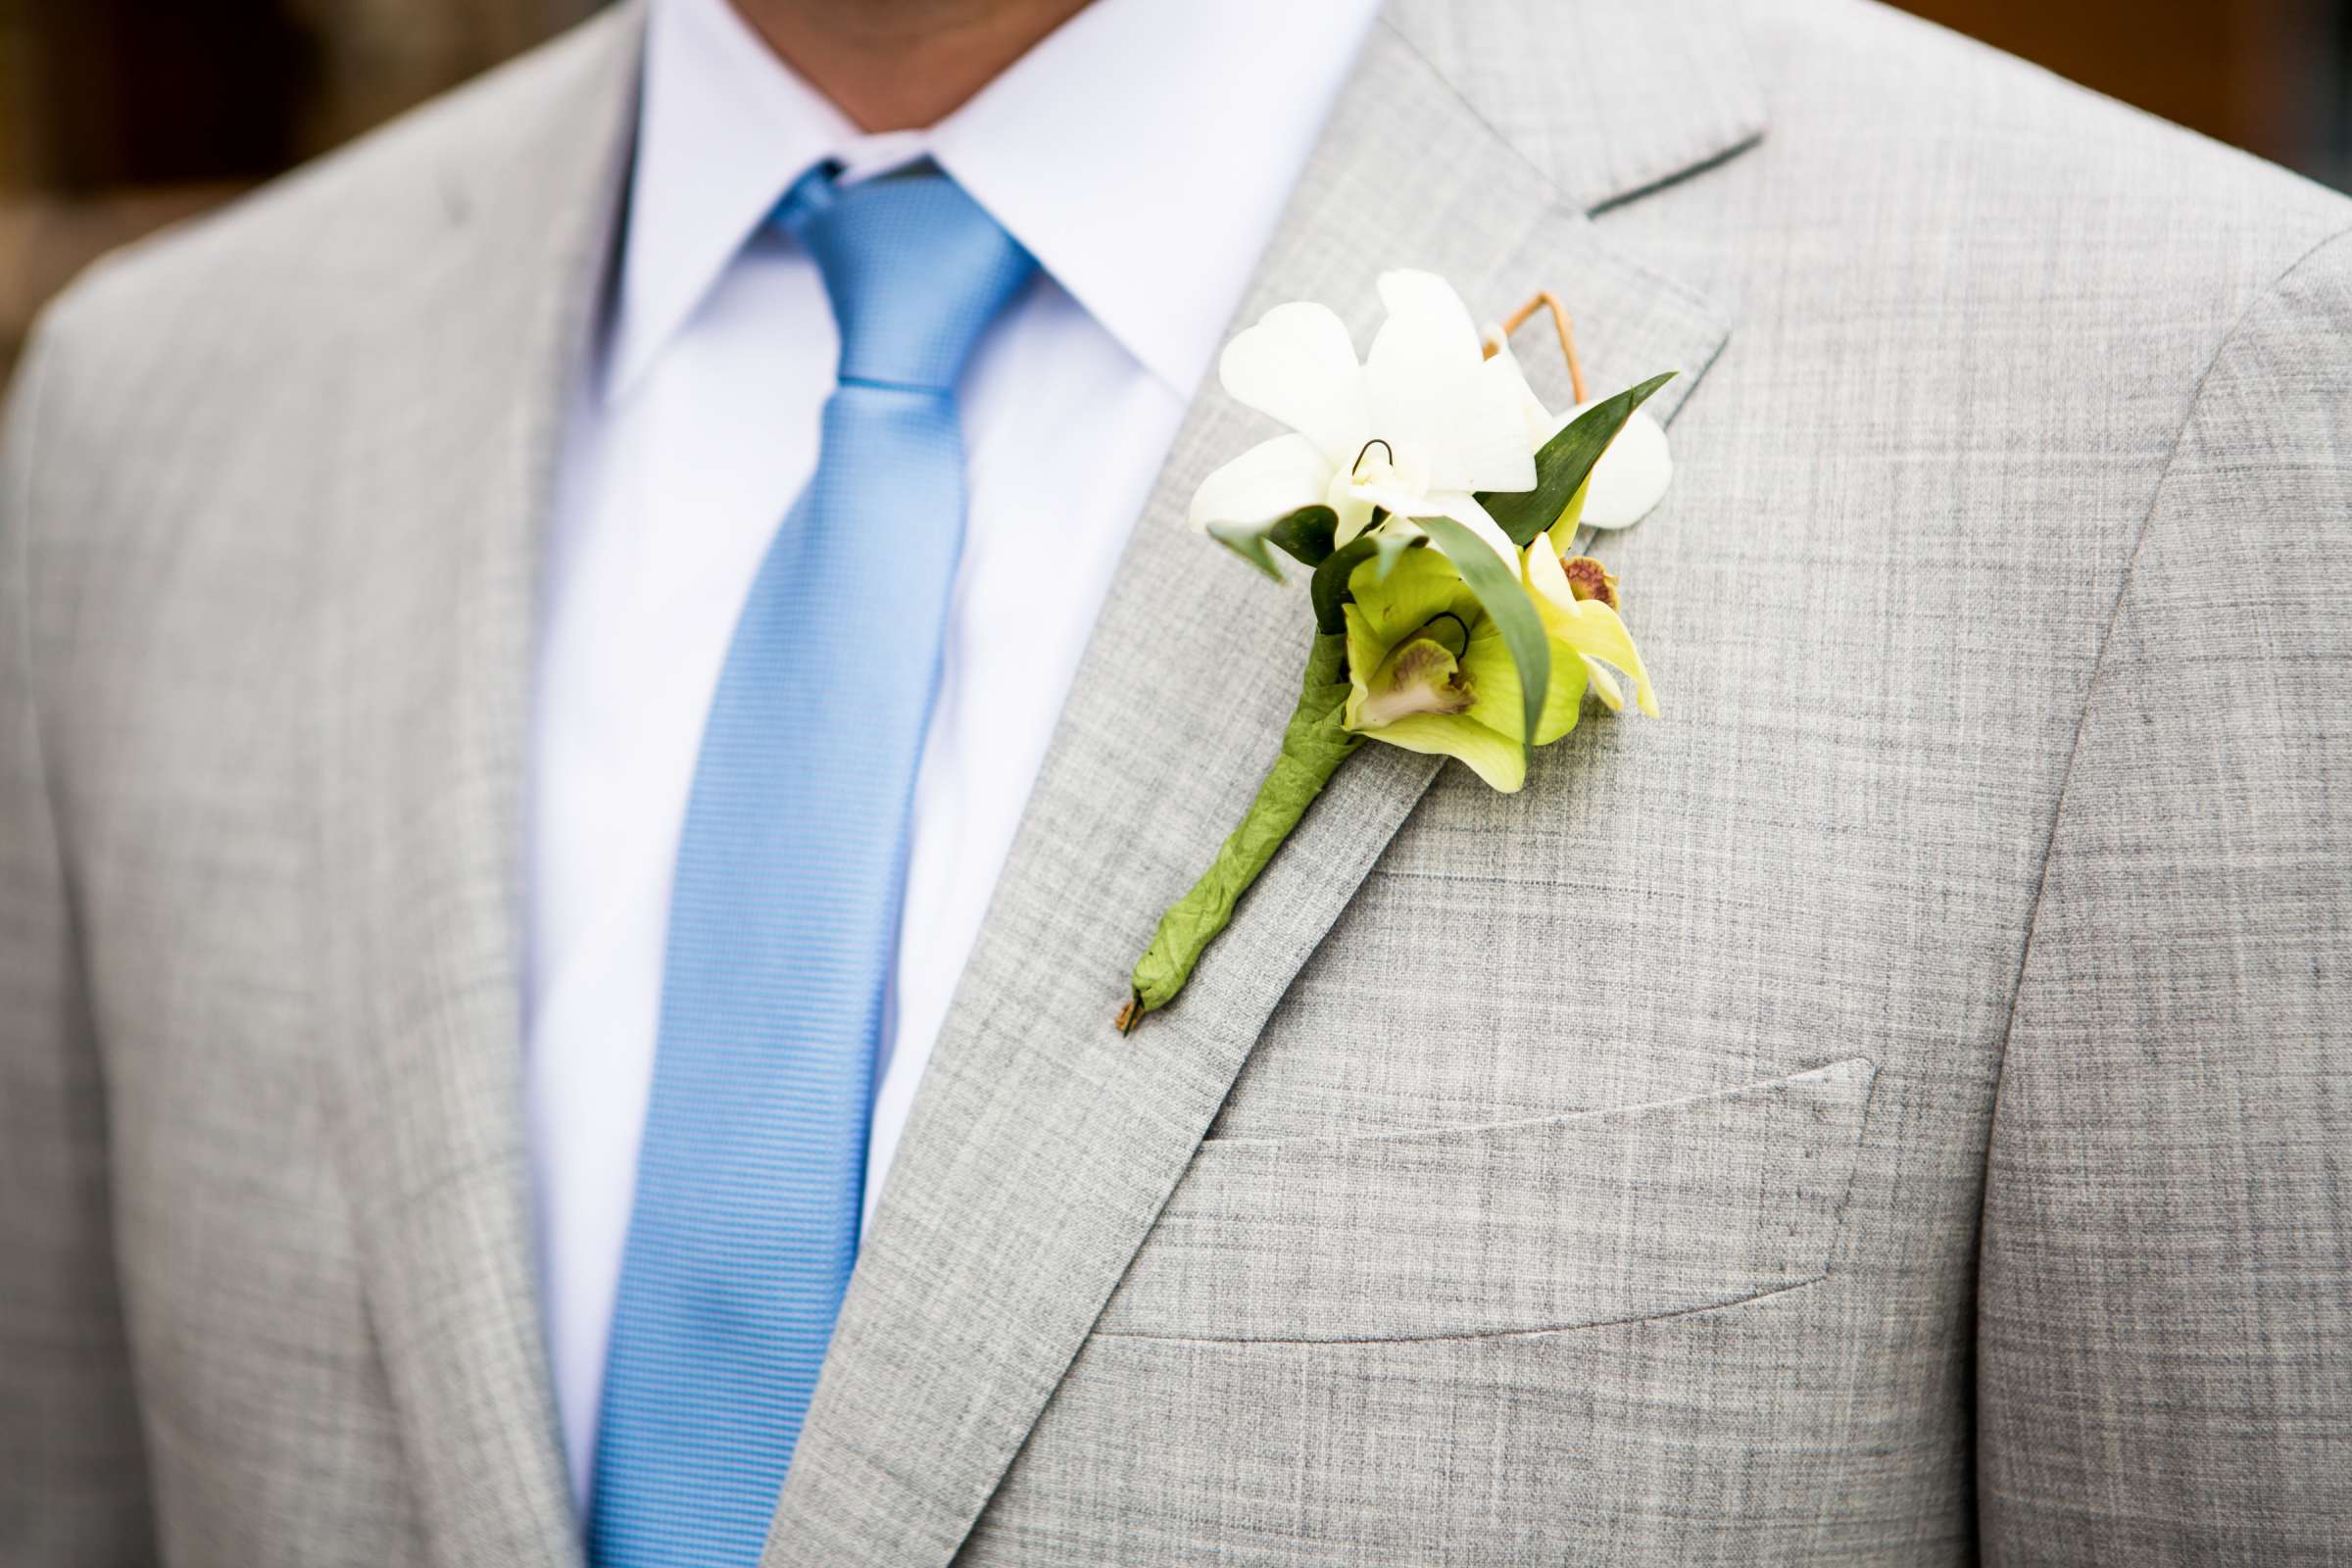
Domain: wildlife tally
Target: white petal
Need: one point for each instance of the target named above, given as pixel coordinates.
(1541, 423)
(1395, 499)
(1463, 417)
(1428, 385)
(1353, 514)
(1299, 365)
(1511, 464)
(1270, 480)
(1428, 325)
(1630, 476)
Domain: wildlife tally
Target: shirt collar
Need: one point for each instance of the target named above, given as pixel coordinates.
(1142, 152)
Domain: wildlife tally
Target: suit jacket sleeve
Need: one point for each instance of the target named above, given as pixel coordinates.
(73, 1472)
(2165, 1326)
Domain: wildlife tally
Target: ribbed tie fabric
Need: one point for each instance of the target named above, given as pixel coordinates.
(785, 908)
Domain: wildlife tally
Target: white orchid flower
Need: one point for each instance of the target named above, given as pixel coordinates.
(1629, 477)
(1416, 429)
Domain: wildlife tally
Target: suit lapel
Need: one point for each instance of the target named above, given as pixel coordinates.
(457, 390)
(1042, 1143)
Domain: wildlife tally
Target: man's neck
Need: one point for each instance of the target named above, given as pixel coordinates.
(902, 64)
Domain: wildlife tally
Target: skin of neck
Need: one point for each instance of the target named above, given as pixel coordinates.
(901, 64)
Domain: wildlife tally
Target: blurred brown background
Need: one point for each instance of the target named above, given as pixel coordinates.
(117, 116)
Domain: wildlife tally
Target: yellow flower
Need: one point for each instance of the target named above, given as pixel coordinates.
(1586, 624)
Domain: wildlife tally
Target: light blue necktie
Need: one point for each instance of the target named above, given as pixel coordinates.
(785, 909)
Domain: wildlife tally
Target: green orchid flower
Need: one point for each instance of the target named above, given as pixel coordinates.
(1428, 669)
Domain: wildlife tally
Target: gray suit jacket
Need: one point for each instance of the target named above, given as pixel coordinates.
(1896, 1108)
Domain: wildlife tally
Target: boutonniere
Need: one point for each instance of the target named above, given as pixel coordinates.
(1436, 502)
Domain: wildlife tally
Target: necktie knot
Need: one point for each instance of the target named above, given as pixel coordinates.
(916, 269)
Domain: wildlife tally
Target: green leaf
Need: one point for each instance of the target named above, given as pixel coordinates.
(1247, 540)
(1505, 600)
(1330, 590)
(1564, 462)
(1303, 535)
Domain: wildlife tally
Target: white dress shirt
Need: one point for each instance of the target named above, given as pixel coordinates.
(1142, 152)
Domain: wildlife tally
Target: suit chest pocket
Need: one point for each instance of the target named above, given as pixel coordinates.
(1517, 1227)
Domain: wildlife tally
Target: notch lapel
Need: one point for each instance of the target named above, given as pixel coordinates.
(457, 390)
(1042, 1143)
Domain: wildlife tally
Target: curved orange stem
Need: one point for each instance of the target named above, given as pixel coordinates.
(1546, 300)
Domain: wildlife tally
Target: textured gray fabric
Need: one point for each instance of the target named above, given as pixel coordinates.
(2166, 1289)
(274, 499)
(1515, 1227)
(1997, 818)
(73, 1483)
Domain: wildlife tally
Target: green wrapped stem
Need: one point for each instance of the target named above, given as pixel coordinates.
(1314, 746)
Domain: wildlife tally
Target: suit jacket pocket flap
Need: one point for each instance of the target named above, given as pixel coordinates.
(1518, 1227)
